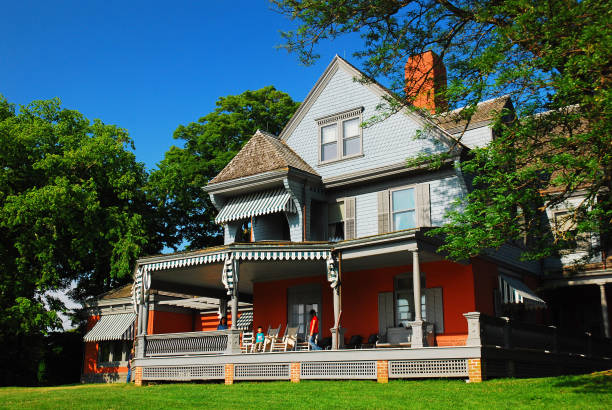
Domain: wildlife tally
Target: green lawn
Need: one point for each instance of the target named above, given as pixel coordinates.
(592, 391)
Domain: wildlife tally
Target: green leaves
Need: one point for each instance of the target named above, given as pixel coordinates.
(72, 210)
(209, 144)
(550, 56)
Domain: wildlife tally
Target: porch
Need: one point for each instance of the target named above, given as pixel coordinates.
(496, 347)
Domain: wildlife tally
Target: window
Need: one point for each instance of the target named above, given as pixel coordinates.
(335, 224)
(403, 209)
(404, 300)
(113, 351)
(340, 136)
(566, 231)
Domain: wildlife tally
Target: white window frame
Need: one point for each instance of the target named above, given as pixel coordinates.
(338, 120)
(391, 212)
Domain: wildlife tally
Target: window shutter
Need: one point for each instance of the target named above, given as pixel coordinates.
(423, 205)
(383, 212)
(349, 221)
(434, 308)
(385, 312)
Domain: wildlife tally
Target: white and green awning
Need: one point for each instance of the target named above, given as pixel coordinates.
(112, 327)
(513, 290)
(255, 204)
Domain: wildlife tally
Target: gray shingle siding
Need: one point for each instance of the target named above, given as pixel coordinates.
(445, 187)
(384, 143)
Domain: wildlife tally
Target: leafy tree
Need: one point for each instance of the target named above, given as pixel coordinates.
(552, 57)
(210, 143)
(72, 209)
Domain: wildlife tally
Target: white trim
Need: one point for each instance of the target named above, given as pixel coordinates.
(391, 212)
(339, 119)
(336, 63)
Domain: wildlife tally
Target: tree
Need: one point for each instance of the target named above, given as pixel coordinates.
(72, 210)
(552, 57)
(210, 143)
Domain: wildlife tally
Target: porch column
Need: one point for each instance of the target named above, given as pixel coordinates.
(235, 295)
(417, 326)
(145, 316)
(416, 284)
(334, 268)
(604, 309)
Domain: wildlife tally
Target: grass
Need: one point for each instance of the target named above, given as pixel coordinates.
(590, 391)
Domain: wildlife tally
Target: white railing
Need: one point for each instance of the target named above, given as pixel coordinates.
(189, 343)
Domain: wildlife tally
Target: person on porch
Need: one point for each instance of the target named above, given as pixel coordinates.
(313, 330)
(222, 324)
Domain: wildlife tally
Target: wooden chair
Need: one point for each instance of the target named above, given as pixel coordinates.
(288, 341)
(248, 341)
(304, 345)
(271, 337)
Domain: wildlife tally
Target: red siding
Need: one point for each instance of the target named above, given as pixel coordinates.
(360, 298)
(270, 302)
(485, 283)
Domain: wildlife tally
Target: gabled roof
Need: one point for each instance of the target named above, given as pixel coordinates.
(378, 89)
(486, 111)
(262, 153)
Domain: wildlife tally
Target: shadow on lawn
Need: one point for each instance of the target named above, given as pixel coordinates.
(595, 383)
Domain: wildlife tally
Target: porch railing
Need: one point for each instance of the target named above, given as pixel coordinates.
(189, 343)
(506, 333)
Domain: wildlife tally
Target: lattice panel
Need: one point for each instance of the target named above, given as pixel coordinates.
(338, 370)
(428, 368)
(182, 345)
(203, 372)
(261, 371)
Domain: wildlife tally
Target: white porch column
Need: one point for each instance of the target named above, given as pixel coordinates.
(604, 309)
(418, 325)
(416, 284)
(145, 316)
(139, 319)
(234, 301)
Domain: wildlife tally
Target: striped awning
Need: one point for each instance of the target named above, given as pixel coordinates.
(515, 291)
(255, 204)
(112, 327)
(245, 320)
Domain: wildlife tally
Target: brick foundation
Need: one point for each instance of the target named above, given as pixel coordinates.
(475, 370)
(138, 376)
(295, 372)
(382, 371)
(229, 373)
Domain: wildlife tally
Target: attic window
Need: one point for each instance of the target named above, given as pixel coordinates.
(340, 136)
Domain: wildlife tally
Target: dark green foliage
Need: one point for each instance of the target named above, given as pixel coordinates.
(550, 56)
(210, 143)
(73, 210)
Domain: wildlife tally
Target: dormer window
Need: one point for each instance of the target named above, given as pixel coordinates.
(340, 136)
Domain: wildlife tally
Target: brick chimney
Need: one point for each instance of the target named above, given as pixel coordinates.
(425, 77)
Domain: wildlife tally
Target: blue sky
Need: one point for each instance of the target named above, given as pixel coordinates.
(148, 66)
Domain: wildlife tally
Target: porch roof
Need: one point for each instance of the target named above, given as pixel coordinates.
(255, 204)
(112, 327)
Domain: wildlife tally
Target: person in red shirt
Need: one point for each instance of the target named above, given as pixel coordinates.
(313, 330)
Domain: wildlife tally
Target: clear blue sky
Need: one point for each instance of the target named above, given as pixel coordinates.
(148, 66)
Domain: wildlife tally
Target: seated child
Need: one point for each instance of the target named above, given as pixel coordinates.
(259, 339)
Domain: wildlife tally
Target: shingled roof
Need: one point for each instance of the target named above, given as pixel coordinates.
(122, 292)
(486, 111)
(264, 152)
